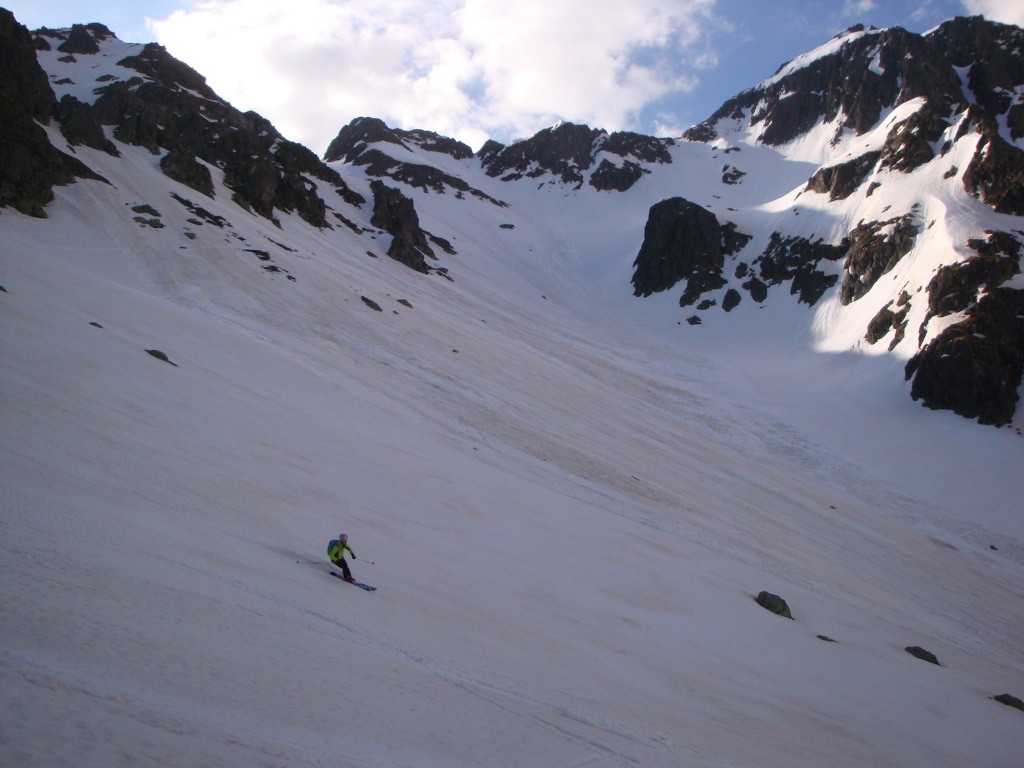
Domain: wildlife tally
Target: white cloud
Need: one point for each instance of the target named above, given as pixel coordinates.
(466, 68)
(1006, 11)
(857, 8)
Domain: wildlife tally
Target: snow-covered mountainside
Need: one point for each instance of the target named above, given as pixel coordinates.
(577, 400)
(878, 179)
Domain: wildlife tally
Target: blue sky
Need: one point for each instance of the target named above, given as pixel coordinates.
(478, 69)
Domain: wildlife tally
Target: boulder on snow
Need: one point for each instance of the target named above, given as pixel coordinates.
(1010, 701)
(732, 298)
(773, 603)
(161, 356)
(920, 653)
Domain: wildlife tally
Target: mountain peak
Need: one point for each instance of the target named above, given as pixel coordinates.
(78, 38)
(355, 137)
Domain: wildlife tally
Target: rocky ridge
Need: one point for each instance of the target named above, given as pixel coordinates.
(164, 105)
(878, 106)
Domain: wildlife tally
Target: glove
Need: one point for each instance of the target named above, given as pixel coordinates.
(353, 555)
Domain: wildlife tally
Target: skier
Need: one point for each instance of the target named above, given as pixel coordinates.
(336, 551)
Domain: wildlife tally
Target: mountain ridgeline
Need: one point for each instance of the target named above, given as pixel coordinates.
(880, 175)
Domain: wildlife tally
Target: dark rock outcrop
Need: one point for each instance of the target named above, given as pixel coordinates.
(156, 63)
(885, 321)
(566, 150)
(79, 40)
(909, 144)
(840, 181)
(955, 287)
(187, 170)
(757, 289)
(610, 177)
(435, 142)
(881, 324)
(974, 368)
(162, 111)
(682, 241)
(732, 175)
(396, 214)
(866, 74)
(29, 165)
(733, 241)
(796, 260)
(872, 253)
(992, 53)
(995, 174)
(425, 177)
(646, 149)
(79, 125)
(353, 139)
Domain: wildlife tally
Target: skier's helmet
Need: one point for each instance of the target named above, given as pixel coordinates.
(343, 536)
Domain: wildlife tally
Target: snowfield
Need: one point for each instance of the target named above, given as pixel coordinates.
(567, 497)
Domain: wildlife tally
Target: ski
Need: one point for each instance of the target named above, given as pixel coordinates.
(359, 584)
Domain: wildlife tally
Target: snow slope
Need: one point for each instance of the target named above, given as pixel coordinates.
(567, 500)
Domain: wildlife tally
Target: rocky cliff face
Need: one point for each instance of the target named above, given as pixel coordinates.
(567, 151)
(849, 81)
(30, 166)
(167, 107)
(960, 91)
(682, 241)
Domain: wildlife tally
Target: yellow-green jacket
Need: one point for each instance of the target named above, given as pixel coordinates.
(336, 550)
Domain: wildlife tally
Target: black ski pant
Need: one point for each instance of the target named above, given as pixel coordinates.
(344, 568)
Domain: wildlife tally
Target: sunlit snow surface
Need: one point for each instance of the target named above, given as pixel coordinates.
(567, 496)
